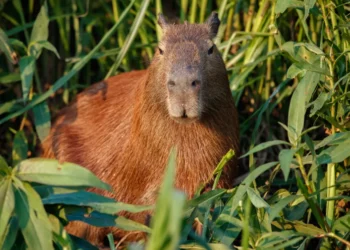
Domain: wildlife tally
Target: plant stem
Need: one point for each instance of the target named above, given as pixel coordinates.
(202, 11)
(303, 173)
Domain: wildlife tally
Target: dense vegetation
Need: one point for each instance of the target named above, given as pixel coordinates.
(288, 63)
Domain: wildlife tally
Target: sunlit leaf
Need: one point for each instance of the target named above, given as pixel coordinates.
(7, 205)
(27, 68)
(256, 199)
(6, 47)
(334, 154)
(51, 172)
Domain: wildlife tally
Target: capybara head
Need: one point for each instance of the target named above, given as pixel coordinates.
(189, 68)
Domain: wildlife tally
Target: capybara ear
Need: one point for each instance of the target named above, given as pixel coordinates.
(161, 21)
(213, 22)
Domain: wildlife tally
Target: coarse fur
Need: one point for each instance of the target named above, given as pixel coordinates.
(123, 128)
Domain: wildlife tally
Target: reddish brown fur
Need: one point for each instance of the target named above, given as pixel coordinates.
(120, 129)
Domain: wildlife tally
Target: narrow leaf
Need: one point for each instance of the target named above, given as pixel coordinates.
(256, 199)
(42, 120)
(6, 47)
(263, 146)
(97, 202)
(27, 68)
(20, 148)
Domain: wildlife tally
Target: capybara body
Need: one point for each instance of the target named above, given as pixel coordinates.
(123, 128)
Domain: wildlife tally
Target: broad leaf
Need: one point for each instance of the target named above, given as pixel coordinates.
(7, 205)
(33, 220)
(51, 172)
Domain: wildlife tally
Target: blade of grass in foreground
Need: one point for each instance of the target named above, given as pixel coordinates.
(78, 66)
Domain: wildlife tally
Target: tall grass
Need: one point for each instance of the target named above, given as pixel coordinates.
(288, 67)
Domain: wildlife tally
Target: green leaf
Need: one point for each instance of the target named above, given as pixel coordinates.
(131, 36)
(10, 78)
(42, 120)
(342, 224)
(37, 47)
(204, 199)
(6, 47)
(10, 106)
(334, 154)
(333, 139)
(4, 168)
(27, 68)
(294, 70)
(166, 222)
(318, 103)
(20, 148)
(278, 207)
(97, 202)
(311, 47)
(297, 108)
(82, 244)
(263, 146)
(51, 172)
(256, 199)
(282, 5)
(308, 5)
(60, 236)
(300, 227)
(103, 220)
(40, 30)
(242, 189)
(298, 53)
(285, 157)
(12, 230)
(316, 211)
(7, 205)
(34, 223)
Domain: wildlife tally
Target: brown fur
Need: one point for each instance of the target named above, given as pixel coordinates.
(121, 130)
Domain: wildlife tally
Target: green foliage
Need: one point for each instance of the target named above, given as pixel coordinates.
(288, 66)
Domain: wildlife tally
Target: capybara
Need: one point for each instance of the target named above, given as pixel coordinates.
(123, 128)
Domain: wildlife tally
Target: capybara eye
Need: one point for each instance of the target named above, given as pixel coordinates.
(160, 51)
(195, 83)
(210, 51)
